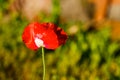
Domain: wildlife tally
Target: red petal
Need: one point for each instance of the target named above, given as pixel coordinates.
(62, 37)
(54, 37)
(51, 35)
(28, 36)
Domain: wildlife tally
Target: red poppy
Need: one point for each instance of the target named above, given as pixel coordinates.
(46, 35)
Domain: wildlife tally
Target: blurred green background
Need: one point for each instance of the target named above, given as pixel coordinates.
(87, 54)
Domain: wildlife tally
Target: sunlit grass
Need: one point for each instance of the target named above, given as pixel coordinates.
(87, 55)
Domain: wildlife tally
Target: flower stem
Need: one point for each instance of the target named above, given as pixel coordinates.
(43, 61)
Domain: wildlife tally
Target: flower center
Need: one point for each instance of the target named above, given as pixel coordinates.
(39, 42)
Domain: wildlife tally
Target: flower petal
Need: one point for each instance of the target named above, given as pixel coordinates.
(28, 36)
(51, 36)
(54, 36)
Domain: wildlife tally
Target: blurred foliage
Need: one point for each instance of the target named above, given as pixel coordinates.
(87, 55)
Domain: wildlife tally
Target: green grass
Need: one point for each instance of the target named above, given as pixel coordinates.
(87, 55)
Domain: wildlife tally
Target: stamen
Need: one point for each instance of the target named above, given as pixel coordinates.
(39, 42)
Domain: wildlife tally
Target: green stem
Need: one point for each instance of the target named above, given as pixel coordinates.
(43, 59)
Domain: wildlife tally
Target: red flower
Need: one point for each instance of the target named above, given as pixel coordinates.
(46, 35)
